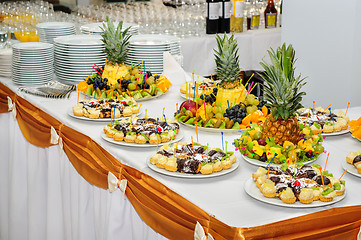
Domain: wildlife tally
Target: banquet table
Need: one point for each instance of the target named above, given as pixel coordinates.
(253, 45)
(44, 197)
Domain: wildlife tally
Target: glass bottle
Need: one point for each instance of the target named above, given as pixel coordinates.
(224, 16)
(212, 20)
(237, 16)
(270, 15)
(281, 13)
(253, 16)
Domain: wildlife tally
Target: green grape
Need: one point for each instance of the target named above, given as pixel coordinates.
(132, 86)
(219, 115)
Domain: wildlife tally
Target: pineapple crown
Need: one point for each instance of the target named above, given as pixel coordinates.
(115, 41)
(281, 87)
(226, 58)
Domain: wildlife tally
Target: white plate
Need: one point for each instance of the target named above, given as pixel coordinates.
(350, 168)
(146, 145)
(95, 27)
(70, 113)
(79, 40)
(335, 133)
(189, 175)
(55, 25)
(252, 190)
(264, 164)
(32, 46)
(152, 39)
(84, 63)
(206, 129)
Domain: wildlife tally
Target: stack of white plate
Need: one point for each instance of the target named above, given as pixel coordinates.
(32, 63)
(94, 28)
(76, 55)
(5, 62)
(49, 30)
(150, 48)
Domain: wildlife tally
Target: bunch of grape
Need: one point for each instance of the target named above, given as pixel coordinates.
(124, 83)
(236, 113)
(211, 98)
(249, 106)
(99, 83)
(261, 103)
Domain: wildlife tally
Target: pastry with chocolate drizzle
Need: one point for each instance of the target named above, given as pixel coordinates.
(142, 130)
(303, 184)
(192, 158)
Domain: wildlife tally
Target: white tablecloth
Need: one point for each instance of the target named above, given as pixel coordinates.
(253, 45)
(42, 196)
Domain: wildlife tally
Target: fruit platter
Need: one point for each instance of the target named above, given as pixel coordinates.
(192, 160)
(260, 150)
(294, 186)
(324, 120)
(142, 131)
(281, 138)
(118, 78)
(209, 117)
(228, 106)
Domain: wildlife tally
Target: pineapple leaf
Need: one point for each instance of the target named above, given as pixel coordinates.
(116, 41)
(282, 90)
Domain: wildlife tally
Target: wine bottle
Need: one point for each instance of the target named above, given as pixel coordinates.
(224, 16)
(253, 17)
(281, 13)
(237, 16)
(270, 15)
(212, 20)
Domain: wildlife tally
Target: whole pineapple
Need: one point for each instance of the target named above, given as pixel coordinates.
(116, 44)
(228, 71)
(283, 95)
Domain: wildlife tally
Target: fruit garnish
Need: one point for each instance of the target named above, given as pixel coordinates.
(297, 183)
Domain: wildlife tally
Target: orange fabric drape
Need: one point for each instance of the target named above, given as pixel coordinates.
(162, 209)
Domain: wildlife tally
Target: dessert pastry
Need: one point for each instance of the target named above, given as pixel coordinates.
(260, 172)
(321, 120)
(287, 196)
(192, 159)
(268, 189)
(203, 87)
(142, 131)
(105, 108)
(306, 195)
(303, 184)
(327, 195)
(354, 158)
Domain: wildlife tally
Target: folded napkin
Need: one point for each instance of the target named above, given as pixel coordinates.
(173, 71)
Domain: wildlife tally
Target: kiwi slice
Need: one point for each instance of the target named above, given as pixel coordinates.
(185, 119)
(327, 191)
(190, 121)
(181, 118)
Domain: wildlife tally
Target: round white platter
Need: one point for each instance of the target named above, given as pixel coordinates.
(252, 190)
(70, 113)
(335, 133)
(264, 164)
(206, 129)
(189, 175)
(136, 145)
(351, 169)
